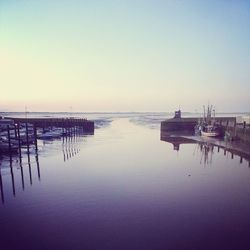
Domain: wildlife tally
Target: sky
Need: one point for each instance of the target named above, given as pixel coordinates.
(133, 55)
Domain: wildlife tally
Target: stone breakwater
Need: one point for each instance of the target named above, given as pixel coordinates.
(231, 129)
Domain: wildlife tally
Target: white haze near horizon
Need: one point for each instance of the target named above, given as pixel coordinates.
(124, 55)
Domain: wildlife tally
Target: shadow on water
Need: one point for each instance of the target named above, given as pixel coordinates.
(206, 149)
(29, 159)
(6, 164)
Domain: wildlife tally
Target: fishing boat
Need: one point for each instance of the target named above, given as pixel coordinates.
(211, 131)
(207, 126)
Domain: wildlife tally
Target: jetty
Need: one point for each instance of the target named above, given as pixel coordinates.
(235, 137)
(17, 132)
(231, 129)
(86, 125)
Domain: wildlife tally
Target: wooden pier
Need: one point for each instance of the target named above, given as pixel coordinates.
(28, 126)
(27, 164)
(86, 125)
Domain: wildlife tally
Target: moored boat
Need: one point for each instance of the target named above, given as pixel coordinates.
(211, 131)
(6, 148)
(207, 126)
(50, 135)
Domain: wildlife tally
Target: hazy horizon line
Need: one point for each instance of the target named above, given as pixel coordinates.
(91, 112)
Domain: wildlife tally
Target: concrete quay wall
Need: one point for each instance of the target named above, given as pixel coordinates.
(231, 129)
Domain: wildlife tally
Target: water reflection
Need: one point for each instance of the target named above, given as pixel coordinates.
(1, 187)
(70, 146)
(7, 164)
(28, 160)
(126, 182)
(175, 139)
(207, 149)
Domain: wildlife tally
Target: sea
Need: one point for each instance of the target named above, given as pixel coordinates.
(124, 187)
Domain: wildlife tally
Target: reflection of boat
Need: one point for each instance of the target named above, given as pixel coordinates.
(208, 144)
(207, 151)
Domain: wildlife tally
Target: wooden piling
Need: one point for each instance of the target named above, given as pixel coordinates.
(21, 167)
(9, 140)
(19, 141)
(38, 167)
(30, 174)
(35, 135)
(1, 187)
(27, 137)
(15, 129)
(12, 178)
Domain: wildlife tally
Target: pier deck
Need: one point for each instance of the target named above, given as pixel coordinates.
(86, 125)
(12, 140)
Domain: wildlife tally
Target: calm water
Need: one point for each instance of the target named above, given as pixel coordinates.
(124, 188)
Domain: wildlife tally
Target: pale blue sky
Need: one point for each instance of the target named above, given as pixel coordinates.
(124, 55)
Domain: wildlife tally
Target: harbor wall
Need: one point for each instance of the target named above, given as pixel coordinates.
(231, 129)
(238, 132)
(188, 123)
(179, 124)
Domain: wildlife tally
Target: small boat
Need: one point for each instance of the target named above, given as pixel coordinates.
(50, 135)
(210, 130)
(5, 148)
(4, 123)
(207, 126)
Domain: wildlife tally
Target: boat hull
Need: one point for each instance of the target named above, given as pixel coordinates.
(210, 134)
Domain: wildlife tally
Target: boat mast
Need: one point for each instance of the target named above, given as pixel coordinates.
(204, 114)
